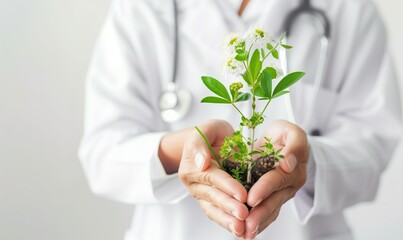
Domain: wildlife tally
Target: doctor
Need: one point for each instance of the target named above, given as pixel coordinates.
(131, 155)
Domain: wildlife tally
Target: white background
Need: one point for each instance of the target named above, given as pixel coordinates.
(45, 46)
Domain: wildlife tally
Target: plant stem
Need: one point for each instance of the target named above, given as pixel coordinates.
(249, 174)
(264, 109)
(238, 109)
(210, 148)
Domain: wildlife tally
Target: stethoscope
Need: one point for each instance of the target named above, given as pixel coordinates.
(321, 23)
(175, 103)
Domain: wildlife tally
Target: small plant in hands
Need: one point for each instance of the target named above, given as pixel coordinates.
(247, 56)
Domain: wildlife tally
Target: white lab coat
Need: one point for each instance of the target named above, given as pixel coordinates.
(357, 111)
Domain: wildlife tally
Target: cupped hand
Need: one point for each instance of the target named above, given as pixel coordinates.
(220, 196)
(281, 184)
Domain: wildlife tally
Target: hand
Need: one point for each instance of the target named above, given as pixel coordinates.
(279, 185)
(221, 197)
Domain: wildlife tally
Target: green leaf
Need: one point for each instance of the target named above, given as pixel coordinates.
(287, 81)
(240, 50)
(282, 36)
(216, 87)
(272, 71)
(246, 78)
(280, 94)
(241, 57)
(266, 83)
(242, 148)
(286, 46)
(264, 98)
(233, 94)
(212, 99)
(259, 92)
(255, 64)
(243, 97)
(255, 152)
(275, 53)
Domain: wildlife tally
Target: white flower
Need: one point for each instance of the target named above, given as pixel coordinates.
(231, 66)
(280, 73)
(258, 36)
(231, 41)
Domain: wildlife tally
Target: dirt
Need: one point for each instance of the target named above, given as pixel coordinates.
(262, 166)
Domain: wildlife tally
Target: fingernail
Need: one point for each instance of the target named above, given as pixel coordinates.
(232, 228)
(258, 202)
(255, 231)
(291, 161)
(199, 160)
(236, 214)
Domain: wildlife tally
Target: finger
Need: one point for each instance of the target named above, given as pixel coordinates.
(269, 183)
(254, 231)
(222, 180)
(215, 131)
(225, 220)
(267, 212)
(196, 153)
(221, 200)
(195, 157)
(295, 147)
(294, 140)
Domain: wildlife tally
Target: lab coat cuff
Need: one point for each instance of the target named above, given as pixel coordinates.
(167, 188)
(303, 202)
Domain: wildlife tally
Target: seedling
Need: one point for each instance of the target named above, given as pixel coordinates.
(247, 57)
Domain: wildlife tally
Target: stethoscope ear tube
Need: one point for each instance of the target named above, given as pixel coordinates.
(319, 20)
(307, 123)
(174, 104)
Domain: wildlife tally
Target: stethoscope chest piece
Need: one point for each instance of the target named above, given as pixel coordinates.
(174, 104)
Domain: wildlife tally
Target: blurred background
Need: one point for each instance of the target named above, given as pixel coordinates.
(45, 47)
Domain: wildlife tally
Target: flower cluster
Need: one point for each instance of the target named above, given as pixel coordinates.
(255, 37)
(258, 36)
(235, 86)
(232, 66)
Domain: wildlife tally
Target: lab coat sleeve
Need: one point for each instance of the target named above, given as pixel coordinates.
(345, 164)
(119, 150)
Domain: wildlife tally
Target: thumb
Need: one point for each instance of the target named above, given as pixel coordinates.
(288, 163)
(202, 161)
(295, 149)
(196, 155)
